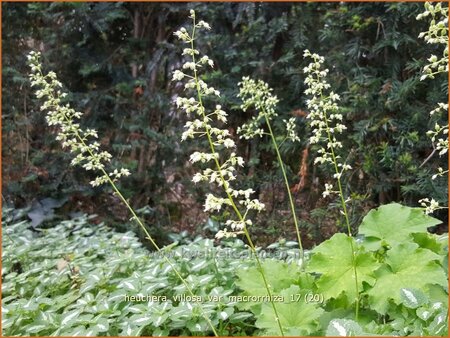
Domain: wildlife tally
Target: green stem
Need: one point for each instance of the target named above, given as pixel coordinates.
(230, 198)
(286, 182)
(344, 208)
(282, 142)
(140, 223)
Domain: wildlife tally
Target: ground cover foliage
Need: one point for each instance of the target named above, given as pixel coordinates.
(375, 271)
(74, 280)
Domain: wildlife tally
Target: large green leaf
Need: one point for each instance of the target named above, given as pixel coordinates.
(433, 242)
(297, 318)
(394, 223)
(279, 275)
(334, 260)
(407, 267)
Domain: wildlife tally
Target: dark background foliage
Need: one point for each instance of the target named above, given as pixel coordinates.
(117, 59)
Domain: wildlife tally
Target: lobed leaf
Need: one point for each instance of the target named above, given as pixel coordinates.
(407, 267)
(333, 259)
(297, 318)
(279, 276)
(394, 223)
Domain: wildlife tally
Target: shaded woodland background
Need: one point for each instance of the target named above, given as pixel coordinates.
(117, 59)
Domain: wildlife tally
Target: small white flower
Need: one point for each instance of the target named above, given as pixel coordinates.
(228, 143)
(182, 35)
(220, 234)
(196, 157)
(197, 178)
(125, 172)
(99, 181)
(328, 190)
(189, 65)
(177, 75)
(204, 24)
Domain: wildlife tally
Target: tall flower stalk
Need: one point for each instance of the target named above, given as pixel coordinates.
(221, 154)
(325, 122)
(258, 94)
(437, 33)
(87, 152)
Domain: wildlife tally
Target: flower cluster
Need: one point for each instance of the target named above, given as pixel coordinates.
(87, 153)
(441, 172)
(324, 118)
(222, 154)
(290, 130)
(328, 190)
(429, 205)
(437, 34)
(437, 137)
(258, 94)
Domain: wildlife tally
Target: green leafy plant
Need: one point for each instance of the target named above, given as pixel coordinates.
(79, 279)
(402, 276)
(220, 143)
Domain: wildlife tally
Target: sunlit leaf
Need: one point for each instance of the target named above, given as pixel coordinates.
(297, 318)
(394, 223)
(334, 260)
(407, 267)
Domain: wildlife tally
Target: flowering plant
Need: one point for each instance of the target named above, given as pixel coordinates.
(258, 94)
(87, 154)
(69, 133)
(326, 123)
(221, 152)
(437, 33)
